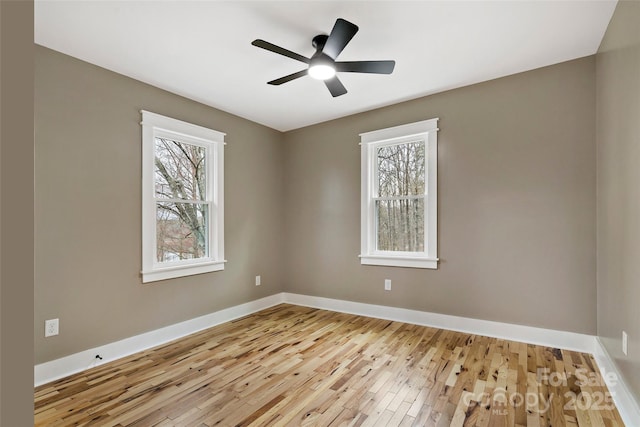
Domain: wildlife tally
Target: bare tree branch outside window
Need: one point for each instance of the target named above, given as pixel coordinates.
(181, 204)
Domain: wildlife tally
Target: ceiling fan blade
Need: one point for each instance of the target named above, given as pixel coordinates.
(280, 50)
(288, 78)
(342, 33)
(335, 86)
(376, 67)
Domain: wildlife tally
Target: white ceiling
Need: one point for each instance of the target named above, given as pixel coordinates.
(202, 49)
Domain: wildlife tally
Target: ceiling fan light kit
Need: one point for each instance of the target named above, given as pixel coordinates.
(323, 65)
(321, 71)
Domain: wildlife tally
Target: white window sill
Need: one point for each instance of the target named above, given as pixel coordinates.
(399, 261)
(181, 271)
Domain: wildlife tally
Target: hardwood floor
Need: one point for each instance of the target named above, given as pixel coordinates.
(291, 365)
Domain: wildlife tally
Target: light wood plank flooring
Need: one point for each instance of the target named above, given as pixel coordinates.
(298, 366)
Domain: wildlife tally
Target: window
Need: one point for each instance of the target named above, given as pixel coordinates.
(399, 196)
(182, 198)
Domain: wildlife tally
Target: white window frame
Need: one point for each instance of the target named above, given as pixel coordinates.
(155, 125)
(426, 131)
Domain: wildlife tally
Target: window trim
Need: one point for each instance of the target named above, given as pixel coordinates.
(426, 130)
(213, 141)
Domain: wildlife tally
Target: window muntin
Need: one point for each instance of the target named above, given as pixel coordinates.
(399, 196)
(183, 217)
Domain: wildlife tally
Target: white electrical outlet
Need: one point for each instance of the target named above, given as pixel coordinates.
(257, 280)
(625, 343)
(387, 284)
(51, 327)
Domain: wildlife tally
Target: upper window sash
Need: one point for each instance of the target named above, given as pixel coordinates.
(209, 159)
(375, 148)
(370, 142)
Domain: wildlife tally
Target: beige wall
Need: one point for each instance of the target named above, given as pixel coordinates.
(516, 207)
(16, 213)
(88, 209)
(516, 193)
(618, 137)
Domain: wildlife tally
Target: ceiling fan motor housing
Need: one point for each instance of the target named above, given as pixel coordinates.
(322, 65)
(319, 41)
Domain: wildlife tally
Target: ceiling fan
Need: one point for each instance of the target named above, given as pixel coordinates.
(323, 65)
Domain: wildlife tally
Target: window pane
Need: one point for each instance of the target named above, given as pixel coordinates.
(400, 225)
(180, 170)
(181, 231)
(401, 169)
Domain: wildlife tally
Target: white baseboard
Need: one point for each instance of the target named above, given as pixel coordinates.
(78, 362)
(627, 406)
(529, 334)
